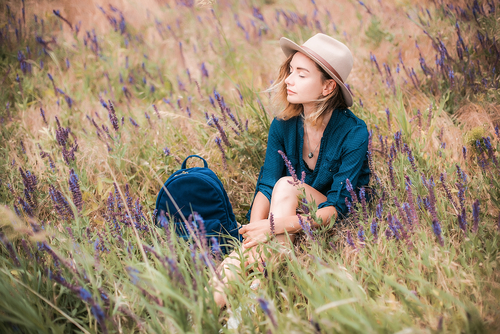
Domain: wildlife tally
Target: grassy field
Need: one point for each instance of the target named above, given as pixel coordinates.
(101, 102)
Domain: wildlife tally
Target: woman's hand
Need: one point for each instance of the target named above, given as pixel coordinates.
(255, 232)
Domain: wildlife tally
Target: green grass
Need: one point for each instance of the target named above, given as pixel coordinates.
(107, 272)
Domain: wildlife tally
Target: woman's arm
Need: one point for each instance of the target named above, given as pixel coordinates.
(291, 223)
(260, 208)
(353, 159)
(260, 228)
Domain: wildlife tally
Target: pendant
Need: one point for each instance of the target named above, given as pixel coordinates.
(310, 155)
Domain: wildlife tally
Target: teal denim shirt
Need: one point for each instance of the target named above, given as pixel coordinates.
(342, 155)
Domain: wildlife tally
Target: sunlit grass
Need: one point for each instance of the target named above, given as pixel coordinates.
(141, 86)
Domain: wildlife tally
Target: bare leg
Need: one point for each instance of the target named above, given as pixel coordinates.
(284, 200)
(284, 203)
(227, 269)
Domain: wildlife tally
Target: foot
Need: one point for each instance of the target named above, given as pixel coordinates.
(255, 284)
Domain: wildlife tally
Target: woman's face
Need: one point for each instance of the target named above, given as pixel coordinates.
(304, 84)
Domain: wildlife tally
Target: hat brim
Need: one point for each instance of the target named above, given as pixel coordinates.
(289, 47)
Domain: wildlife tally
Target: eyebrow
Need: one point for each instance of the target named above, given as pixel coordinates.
(300, 68)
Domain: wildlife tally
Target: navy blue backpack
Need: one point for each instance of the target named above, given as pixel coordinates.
(198, 190)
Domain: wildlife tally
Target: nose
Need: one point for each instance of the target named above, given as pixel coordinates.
(288, 80)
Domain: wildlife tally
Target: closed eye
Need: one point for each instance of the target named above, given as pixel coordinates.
(290, 72)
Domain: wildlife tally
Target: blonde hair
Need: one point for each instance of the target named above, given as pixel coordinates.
(324, 104)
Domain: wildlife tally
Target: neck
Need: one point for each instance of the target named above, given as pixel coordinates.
(309, 108)
(321, 123)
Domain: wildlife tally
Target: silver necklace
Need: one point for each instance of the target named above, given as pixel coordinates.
(311, 153)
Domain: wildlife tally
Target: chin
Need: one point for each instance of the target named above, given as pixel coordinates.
(291, 99)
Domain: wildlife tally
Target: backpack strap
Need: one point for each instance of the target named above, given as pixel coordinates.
(183, 166)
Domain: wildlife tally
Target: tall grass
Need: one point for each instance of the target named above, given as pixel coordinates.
(101, 107)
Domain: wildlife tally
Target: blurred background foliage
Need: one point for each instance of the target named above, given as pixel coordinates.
(101, 102)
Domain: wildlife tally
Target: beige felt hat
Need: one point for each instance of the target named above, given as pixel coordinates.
(333, 56)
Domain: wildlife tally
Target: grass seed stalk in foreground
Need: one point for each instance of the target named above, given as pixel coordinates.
(99, 113)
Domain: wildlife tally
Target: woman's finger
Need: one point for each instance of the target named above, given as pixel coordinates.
(248, 245)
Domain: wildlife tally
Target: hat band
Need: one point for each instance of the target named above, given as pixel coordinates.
(323, 62)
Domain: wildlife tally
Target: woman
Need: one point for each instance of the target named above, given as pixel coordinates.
(320, 137)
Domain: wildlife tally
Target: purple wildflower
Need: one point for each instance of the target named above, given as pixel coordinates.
(216, 250)
(363, 204)
(272, 224)
(306, 227)
(447, 190)
(212, 102)
(374, 229)
(394, 226)
(267, 311)
(401, 229)
(400, 210)
(388, 233)
(382, 147)
(361, 234)
(219, 144)
(42, 112)
(60, 204)
(352, 211)
(156, 111)
(148, 118)
(411, 201)
(166, 151)
(407, 211)
(475, 215)
(436, 227)
(378, 210)
(61, 134)
(204, 71)
(349, 188)
(133, 122)
(235, 121)
(112, 115)
(221, 131)
(58, 14)
(75, 190)
(10, 249)
(429, 184)
(391, 174)
(290, 168)
(398, 141)
(410, 157)
(461, 175)
(303, 206)
(349, 240)
(388, 113)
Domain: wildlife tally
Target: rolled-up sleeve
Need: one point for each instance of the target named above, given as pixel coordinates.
(274, 165)
(354, 150)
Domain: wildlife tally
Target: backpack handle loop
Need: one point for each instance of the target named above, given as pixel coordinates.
(183, 166)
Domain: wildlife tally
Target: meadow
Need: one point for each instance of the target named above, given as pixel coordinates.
(102, 101)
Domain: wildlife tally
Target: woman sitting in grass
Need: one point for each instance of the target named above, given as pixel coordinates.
(319, 136)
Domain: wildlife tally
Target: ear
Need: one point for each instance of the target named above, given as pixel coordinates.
(329, 86)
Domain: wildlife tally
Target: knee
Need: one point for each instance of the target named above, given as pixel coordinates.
(284, 190)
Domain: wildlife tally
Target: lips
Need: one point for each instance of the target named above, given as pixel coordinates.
(290, 92)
